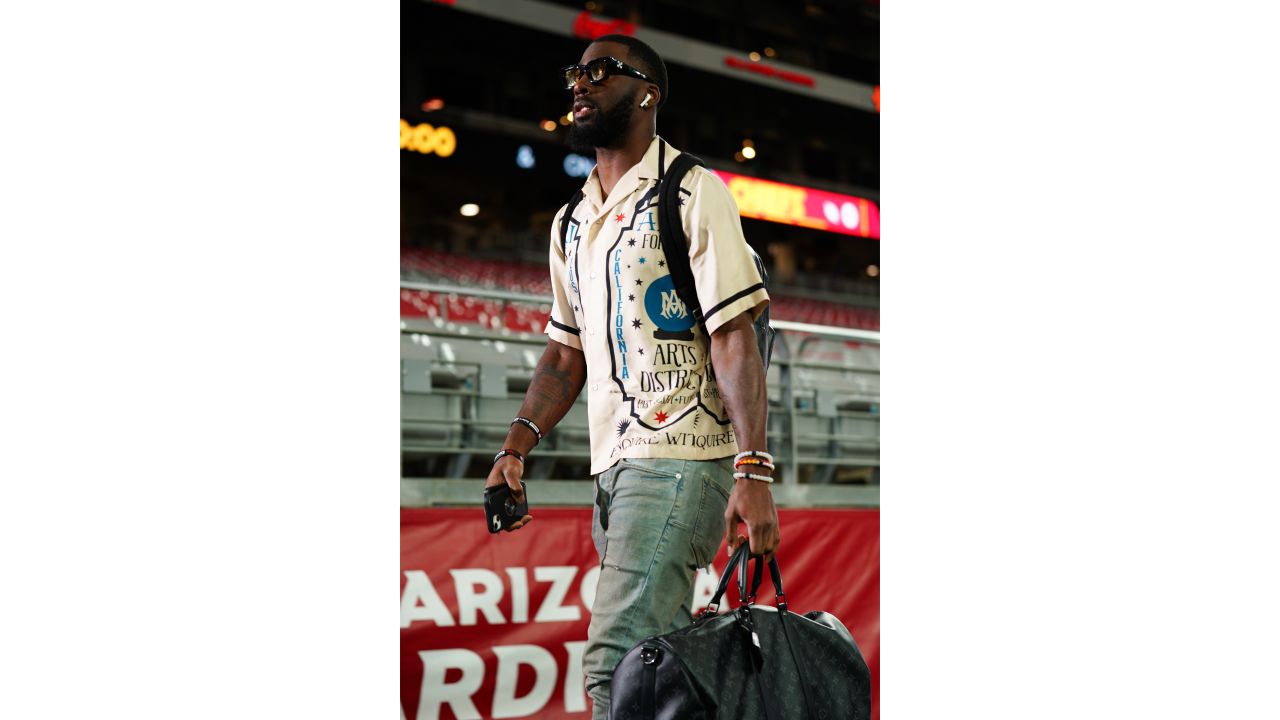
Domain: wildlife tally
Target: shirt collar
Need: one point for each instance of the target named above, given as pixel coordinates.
(648, 165)
(646, 169)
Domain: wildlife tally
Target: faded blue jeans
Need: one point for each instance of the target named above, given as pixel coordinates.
(655, 523)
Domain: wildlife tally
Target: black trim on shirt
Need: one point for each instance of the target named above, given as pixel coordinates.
(562, 326)
(742, 294)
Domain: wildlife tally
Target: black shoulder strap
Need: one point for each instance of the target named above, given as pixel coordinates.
(568, 215)
(671, 230)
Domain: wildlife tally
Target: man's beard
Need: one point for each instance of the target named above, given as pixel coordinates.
(606, 129)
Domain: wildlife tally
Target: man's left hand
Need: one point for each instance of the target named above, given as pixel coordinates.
(752, 502)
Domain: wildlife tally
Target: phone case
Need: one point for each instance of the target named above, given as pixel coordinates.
(501, 511)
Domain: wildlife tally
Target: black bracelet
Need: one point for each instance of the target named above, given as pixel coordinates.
(529, 424)
(508, 451)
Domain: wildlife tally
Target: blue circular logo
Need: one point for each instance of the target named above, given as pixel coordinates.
(665, 308)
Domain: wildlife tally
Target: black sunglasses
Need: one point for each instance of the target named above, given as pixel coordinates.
(597, 70)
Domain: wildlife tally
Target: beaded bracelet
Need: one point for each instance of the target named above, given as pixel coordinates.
(752, 476)
(508, 451)
(750, 462)
(529, 424)
(752, 453)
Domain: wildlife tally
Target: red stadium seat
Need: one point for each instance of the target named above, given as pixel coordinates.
(532, 279)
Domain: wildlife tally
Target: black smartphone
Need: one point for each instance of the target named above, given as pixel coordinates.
(501, 511)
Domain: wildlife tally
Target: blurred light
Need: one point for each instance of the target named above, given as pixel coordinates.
(746, 142)
(469, 210)
(426, 139)
(565, 120)
(755, 56)
(849, 215)
(524, 157)
(748, 152)
(770, 52)
(577, 166)
(739, 156)
(832, 211)
(593, 6)
(873, 271)
(875, 97)
(548, 125)
(432, 105)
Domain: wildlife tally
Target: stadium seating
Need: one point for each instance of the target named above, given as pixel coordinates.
(532, 279)
(459, 393)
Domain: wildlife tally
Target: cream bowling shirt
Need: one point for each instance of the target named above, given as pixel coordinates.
(650, 389)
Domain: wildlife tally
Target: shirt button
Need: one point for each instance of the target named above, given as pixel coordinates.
(595, 387)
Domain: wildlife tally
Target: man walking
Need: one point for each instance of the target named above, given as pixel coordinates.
(677, 408)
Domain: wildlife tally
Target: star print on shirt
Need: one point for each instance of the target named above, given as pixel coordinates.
(635, 324)
(662, 263)
(623, 216)
(638, 282)
(681, 201)
(641, 351)
(631, 242)
(660, 417)
(629, 297)
(641, 261)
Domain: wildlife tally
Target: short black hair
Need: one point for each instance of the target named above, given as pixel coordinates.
(644, 58)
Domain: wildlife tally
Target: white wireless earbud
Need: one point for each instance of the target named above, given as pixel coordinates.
(645, 102)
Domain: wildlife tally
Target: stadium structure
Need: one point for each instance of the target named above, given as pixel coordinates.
(781, 99)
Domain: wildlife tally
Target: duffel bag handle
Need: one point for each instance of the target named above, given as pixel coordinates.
(739, 561)
(744, 597)
(749, 598)
(737, 557)
(776, 575)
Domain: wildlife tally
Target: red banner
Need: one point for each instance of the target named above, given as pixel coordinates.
(493, 626)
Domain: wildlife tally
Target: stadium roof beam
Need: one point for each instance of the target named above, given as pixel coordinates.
(729, 62)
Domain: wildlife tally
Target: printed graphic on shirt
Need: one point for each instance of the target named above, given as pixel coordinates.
(571, 239)
(658, 366)
(573, 236)
(667, 312)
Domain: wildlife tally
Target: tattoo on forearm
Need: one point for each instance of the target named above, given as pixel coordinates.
(550, 386)
(553, 390)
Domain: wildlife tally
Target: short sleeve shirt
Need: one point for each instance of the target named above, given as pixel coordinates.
(651, 391)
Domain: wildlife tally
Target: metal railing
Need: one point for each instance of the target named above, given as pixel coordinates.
(798, 400)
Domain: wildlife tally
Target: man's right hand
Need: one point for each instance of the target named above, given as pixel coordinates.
(509, 470)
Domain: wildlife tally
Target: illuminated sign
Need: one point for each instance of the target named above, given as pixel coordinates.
(769, 71)
(588, 29)
(807, 207)
(427, 139)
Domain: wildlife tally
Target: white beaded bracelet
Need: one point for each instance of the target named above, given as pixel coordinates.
(752, 476)
(752, 453)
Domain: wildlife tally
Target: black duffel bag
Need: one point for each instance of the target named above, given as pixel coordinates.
(755, 662)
